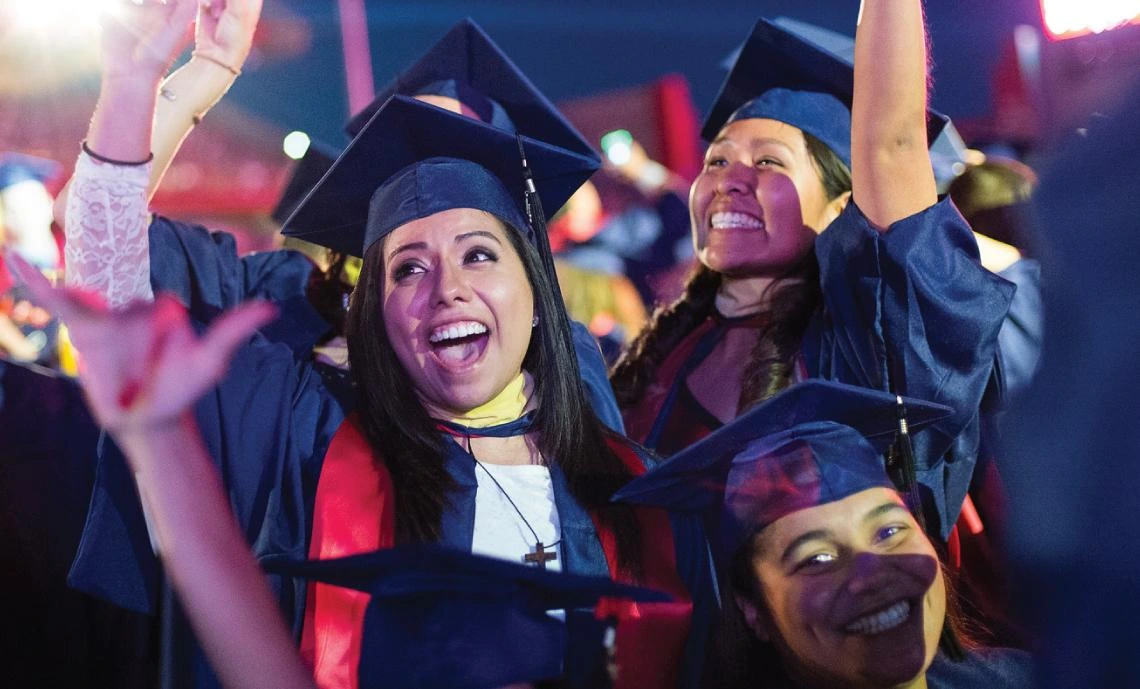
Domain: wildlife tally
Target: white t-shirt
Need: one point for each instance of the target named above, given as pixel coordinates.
(499, 531)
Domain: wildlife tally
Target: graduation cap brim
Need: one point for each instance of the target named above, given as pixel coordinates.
(468, 55)
(776, 57)
(306, 173)
(692, 479)
(406, 131)
(426, 570)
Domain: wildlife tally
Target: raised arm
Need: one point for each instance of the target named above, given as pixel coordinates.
(104, 207)
(891, 173)
(143, 369)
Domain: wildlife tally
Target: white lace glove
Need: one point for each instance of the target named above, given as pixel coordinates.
(107, 248)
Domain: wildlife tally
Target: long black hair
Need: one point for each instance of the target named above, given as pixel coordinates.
(405, 438)
(794, 299)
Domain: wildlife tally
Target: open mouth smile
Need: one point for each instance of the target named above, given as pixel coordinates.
(882, 621)
(731, 220)
(460, 344)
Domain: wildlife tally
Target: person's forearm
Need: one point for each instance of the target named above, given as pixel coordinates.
(891, 173)
(221, 588)
(185, 96)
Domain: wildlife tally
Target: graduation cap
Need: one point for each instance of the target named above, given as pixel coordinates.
(781, 75)
(413, 160)
(18, 167)
(440, 617)
(467, 65)
(307, 171)
(815, 443)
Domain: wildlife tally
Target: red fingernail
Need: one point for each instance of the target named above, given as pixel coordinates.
(129, 394)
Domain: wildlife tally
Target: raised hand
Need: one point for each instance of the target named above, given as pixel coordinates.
(143, 366)
(225, 30)
(142, 37)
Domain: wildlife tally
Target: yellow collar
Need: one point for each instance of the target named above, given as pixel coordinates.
(510, 404)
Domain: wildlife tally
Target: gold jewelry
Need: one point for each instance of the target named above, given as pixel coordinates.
(209, 58)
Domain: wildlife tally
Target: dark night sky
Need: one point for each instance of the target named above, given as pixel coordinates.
(572, 48)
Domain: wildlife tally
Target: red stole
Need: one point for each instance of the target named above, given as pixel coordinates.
(354, 513)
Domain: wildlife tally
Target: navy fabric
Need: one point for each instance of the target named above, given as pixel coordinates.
(19, 167)
(776, 58)
(983, 668)
(467, 65)
(820, 114)
(267, 427)
(305, 174)
(204, 271)
(439, 184)
(1023, 332)
(343, 209)
(448, 619)
(913, 312)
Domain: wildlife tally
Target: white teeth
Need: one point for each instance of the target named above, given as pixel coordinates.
(881, 621)
(726, 220)
(456, 331)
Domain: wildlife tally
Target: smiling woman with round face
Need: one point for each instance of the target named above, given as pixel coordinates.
(759, 200)
(849, 593)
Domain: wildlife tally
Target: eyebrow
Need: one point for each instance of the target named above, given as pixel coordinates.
(752, 143)
(415, 246)
(477, 233)
(817, 535)
(883, 509)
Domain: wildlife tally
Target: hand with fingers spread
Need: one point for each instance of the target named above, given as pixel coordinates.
(143, 38)
(143, 366)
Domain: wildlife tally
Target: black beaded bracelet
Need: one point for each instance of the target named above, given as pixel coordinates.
(112, 161)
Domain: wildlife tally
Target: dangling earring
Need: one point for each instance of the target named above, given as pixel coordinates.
(534, 321)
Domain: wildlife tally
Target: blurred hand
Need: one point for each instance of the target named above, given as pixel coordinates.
(631, 168)
(225, 30)
(143, 366)
(142, 37)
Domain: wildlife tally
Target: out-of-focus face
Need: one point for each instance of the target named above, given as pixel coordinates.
(759, 200)
(457, 307)
(26, 216)
(852, 592)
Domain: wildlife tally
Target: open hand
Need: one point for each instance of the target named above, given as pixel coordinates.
(142, 37)
(144, 365)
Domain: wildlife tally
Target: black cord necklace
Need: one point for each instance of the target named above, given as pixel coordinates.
(541, 554)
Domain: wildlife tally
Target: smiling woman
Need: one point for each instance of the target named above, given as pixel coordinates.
(829, 579)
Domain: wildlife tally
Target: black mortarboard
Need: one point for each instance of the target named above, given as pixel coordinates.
(413, 160)
(444, 618)
(467, 65)
(781, 75)
(307, 171)
(814, 443)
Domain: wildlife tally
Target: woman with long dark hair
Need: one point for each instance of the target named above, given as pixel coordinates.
(463, 420)
(823, 252)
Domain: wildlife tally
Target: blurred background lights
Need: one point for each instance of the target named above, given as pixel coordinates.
(295, 144)
(1069, 18)
(55, 16)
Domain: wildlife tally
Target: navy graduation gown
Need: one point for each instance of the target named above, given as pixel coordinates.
(912, 311)
(267, 428)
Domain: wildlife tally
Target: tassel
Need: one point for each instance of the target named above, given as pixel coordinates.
(903, 462)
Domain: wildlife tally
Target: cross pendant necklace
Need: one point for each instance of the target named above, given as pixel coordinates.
(540, 556)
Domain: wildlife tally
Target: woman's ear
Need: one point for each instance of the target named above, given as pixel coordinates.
(755, 618)
(833, 208)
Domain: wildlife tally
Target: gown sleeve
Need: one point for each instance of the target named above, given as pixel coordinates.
(204, 271)
(912, 311)
(266, 427)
